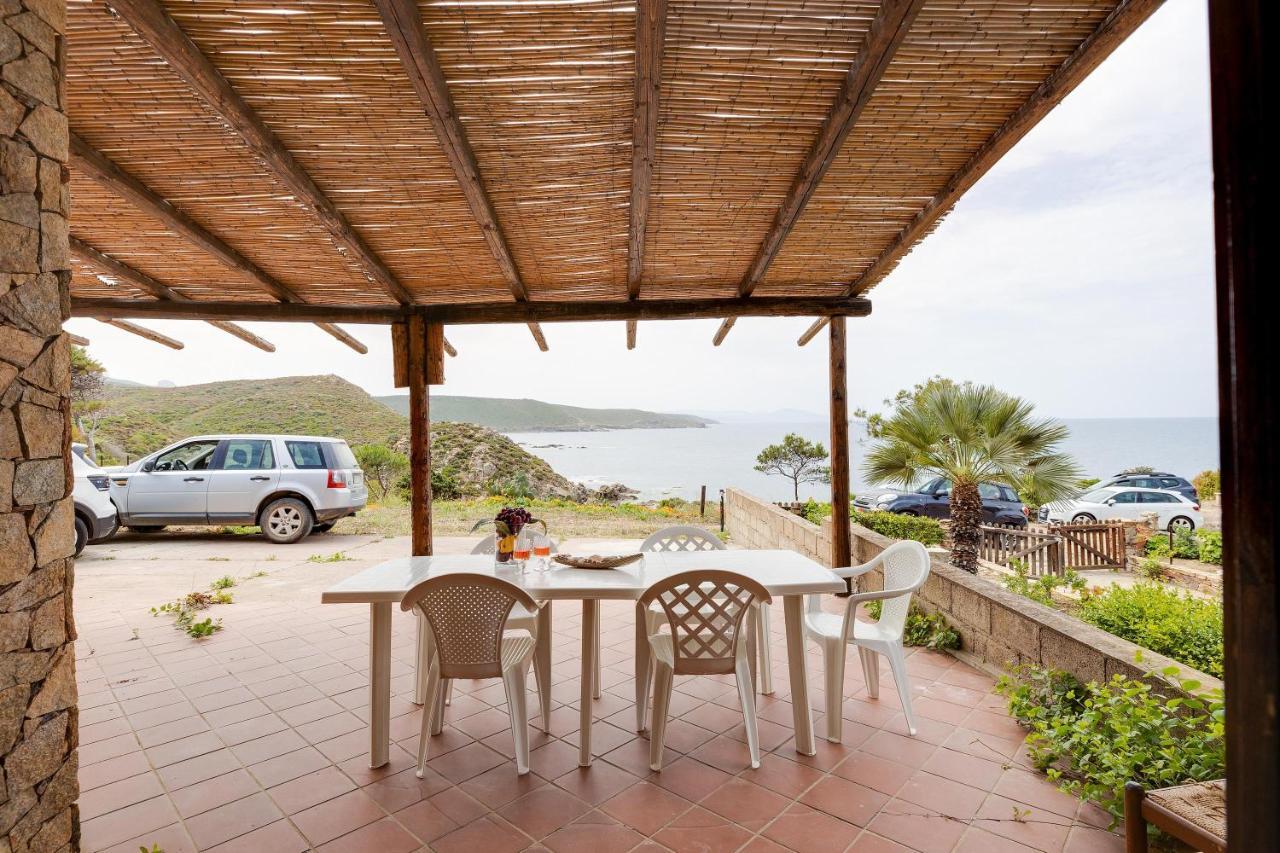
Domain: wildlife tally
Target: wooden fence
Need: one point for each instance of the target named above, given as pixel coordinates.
(1057, 547)
(1091, 545)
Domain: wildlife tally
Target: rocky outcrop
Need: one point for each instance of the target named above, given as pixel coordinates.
(38, 714)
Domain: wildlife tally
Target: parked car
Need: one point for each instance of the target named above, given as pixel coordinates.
(1155, 480)
(1103, 504)
(95, 514)
(1000, 504)
(289, 485)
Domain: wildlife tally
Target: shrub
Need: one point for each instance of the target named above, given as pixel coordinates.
(1039, 588)
(929, 630)
(1208, 484)
(1210, 546)
(382, 467)
(926, 531)
(1093, 738)
(444, 485)
(1182, 627)
(1202, 545)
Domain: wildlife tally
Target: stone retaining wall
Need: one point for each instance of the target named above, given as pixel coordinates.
(998, 629)
(38, 715)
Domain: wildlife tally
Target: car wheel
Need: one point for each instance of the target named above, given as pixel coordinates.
(82, 535)
(910, 512)
(1084, 518)
(1181, 522)
(286, 520)
(323, 527)
(146, 528)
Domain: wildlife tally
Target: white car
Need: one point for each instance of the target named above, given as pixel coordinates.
(289, 485)
(1126, 502)
(95, 514)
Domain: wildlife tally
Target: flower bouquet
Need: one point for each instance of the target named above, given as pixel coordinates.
(507, 525)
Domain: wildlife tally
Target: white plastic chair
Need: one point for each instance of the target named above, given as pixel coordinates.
(688, 538)
(467, 616)
(704, 611)
(906, 567)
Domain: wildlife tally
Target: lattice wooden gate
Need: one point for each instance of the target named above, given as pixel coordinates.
(1040, 552)
(1091, 545)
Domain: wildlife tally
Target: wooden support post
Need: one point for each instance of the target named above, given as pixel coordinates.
(702, 503)
(1249, 407)
(435, 354)
(400, 354)
(419, 436)
(841, 548)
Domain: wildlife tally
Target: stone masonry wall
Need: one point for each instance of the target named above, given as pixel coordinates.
(38, 716)
(998, 629)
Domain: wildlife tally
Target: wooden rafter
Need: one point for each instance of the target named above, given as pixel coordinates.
(150, 21)
(651, 26)
(481, 313)
(117, 269)
(1114, 29)
(405, 28)
(101, 169)
(888, 29)
(78, 340)
(143, 332)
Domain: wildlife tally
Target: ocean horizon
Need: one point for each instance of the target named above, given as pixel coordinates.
(662, 463)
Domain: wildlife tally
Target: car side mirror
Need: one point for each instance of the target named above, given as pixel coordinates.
(1111, 502)
(149, 466)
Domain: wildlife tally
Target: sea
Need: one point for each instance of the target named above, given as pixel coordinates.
(662, 463)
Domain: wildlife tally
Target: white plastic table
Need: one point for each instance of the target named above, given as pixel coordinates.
(783, 573)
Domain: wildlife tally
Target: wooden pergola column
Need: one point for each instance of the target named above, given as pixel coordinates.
(418, 351)
(841, 549)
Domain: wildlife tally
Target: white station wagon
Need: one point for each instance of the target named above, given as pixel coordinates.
(1126, 502)
(290, 485)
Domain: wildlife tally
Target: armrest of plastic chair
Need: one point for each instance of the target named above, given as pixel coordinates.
(879, 595)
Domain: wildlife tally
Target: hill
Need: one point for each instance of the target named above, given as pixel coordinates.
(508, 415)
(142, 419)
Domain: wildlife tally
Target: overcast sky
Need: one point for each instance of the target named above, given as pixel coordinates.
(1078, 273)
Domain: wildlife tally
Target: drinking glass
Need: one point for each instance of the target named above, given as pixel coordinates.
(524, 546)
(541, 552)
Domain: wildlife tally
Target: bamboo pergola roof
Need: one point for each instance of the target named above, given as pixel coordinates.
(376, 154)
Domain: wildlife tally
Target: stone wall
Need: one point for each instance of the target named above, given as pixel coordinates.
(998, 629)
(38, 717)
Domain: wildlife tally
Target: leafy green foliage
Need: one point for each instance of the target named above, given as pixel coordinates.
(1179, 626)
(183, 610)
(1202, 545)
(971, 434)
(1208, 484)
(1093, 738)
(224, 582)
(919, 528)
(1210, 546)
(335, 557)
(382, 467)
(797, 459)
(1087, 482)
(929, 630)
(1040, 588)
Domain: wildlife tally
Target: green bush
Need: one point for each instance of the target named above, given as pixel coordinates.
(445, 485)
(1091, 739)
(1039, 588)
(1208, 484)
(929, 630)
(927, 531)
(1210, 546)
(1202, 545)
(1182, 627)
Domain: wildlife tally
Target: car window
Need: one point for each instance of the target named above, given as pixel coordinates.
(1126, 498)
(940, 486)
(193, 456)
(1146, 483)
(1170, 482)
(988, 492)
(1157, 498)
(343, 456)
(1008, 494)
(248, 454)
(1097, 496)
(306, 454)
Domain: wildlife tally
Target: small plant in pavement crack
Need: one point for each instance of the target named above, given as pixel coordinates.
(335, 557)
(224, 582)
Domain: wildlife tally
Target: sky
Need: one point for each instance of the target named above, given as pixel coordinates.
(1078, 273)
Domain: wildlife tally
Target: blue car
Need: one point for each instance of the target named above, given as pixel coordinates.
(1000, 504)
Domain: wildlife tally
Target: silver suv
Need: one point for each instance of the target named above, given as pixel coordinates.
(290, 485)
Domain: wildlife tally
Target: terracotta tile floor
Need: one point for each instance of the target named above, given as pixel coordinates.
(255, 740)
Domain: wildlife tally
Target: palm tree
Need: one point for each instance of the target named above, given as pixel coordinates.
(972, 434)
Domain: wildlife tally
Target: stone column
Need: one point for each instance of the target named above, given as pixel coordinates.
(38, 714)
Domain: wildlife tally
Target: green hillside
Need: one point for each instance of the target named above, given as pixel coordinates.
(536, 416)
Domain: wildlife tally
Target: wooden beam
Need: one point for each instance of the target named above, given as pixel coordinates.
(1248, 394)
(449, 349)
(400, 354)
(435, 354)
(841, 545)
(1114, 29)
(98, 167)
(887, 31)
(150, 21)
(404, 27)
(482, 313)
(651, 26)
(419, 436)
(142, 332)
(119, 270)
(344, 336)
(79, 341)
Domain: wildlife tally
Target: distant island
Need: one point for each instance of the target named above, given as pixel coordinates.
(505, 415)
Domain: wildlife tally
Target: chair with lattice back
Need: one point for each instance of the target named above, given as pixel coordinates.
(686, 538)
(471, 637)
(905, 567)
(704, 612)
